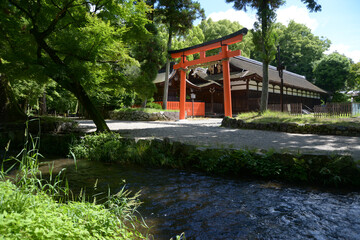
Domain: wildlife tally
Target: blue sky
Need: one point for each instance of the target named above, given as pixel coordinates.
(339, 21)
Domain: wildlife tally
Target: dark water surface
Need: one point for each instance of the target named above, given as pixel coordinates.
(206, 207)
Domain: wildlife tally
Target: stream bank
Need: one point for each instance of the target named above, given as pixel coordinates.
(208, 207)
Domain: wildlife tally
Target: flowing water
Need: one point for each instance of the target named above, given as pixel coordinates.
(206, 207)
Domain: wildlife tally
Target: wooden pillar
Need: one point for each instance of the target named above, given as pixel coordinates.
(247, 95)
(226, 83)
(182, 93)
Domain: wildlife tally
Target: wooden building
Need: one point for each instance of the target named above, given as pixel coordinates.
(246, 87)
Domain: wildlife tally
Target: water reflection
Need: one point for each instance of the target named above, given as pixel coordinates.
(206, 207)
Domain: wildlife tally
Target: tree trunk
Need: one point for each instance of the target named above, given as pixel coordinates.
(265, 88)
(43, 108)
(167, 72)
(9, 108)
(143, 104)
(90, 108)
(73, 86)
(264, 11)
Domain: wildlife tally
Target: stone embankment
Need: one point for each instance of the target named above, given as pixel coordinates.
(322, 129)
(143, 116)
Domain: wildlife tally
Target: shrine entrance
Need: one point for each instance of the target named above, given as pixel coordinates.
(224, 56)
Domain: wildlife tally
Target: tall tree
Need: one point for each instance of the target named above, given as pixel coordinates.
(150, 55)
(300, 48)
(178, 16)
(79, 44)
(353, 81)
(332, 71)
(213, 30)
(264, 37)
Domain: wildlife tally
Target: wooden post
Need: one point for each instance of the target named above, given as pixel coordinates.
(182, 93)
(226, 83)
(212, 91)
(247, 95)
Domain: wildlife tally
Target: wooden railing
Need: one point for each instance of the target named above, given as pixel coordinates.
(333, 110)
(291, 108)
(199, 107)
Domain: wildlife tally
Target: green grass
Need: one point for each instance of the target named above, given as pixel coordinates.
(32, 207)
(278, 117)
(147, 110)
(24, 215)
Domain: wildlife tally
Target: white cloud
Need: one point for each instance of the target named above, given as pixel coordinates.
(245, 19)
(299, 15)
(346, 50)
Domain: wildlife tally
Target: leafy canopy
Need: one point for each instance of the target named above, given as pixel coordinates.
(209, 30)
(332, 71)
(300, 48)
(82, 45)
(177, 15)
(353, 81)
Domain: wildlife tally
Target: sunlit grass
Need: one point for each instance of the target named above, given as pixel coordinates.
(33, 207)
(279, 117)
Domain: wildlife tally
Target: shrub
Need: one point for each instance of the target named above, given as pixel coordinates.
(153, 105)
(325, 170)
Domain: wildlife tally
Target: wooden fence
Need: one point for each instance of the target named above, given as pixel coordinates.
(333, 110)
(291, 108)
(199, 107)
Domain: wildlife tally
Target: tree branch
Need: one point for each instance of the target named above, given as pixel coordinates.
(53, 23)
(23, 10)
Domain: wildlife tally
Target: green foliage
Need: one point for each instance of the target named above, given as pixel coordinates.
(300, 48)
(153, 105)
(60, 100)
(353, 81)
(24, 215)
(177, 15)
(209, 30)
(278, 117)
(332, 71)
(340, 97)
(35, 208)
(99, 146)
(310, 169)
(149, 53)
(83, 46)
(265, 36)
(28, 92)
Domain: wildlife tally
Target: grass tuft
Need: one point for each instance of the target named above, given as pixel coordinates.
(279, 117)
(35, 208)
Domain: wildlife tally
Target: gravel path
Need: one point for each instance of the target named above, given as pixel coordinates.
(208, 133)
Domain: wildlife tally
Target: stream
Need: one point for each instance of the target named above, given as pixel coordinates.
(207, 207)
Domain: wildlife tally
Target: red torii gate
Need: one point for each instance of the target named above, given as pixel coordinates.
(224, 55)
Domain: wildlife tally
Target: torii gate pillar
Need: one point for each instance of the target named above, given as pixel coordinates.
(224, 55)
(182, 93)
(226, 84)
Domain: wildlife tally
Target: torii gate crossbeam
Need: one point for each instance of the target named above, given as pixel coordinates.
(224, 55)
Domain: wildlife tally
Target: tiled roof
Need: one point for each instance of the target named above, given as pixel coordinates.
(290, 78)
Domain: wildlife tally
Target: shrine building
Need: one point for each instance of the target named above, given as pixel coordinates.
(205, 85)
